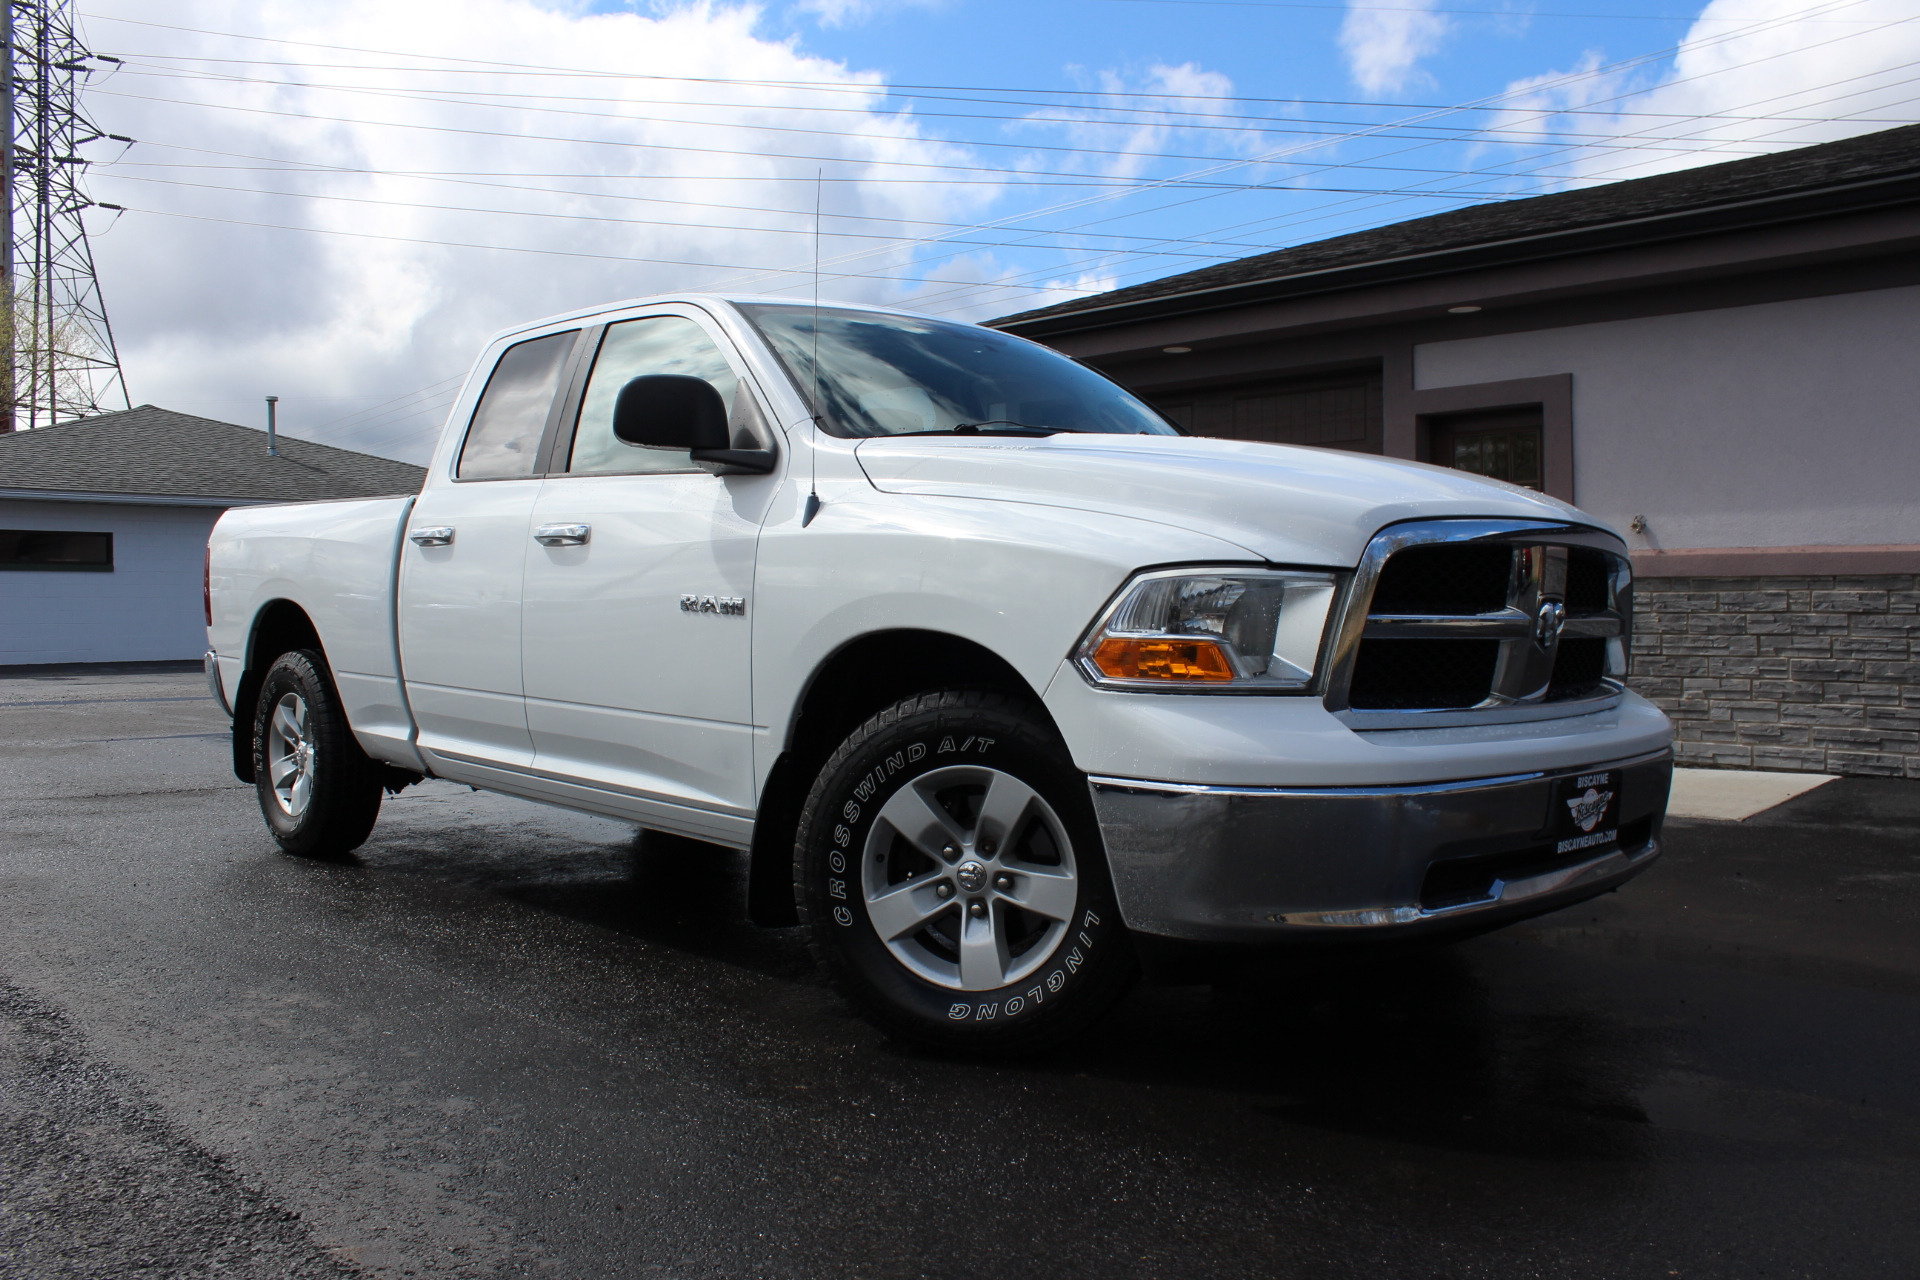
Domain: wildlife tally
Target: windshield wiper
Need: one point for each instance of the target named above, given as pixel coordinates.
(995, 427)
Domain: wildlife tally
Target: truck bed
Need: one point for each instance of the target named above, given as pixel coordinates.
(336, 561)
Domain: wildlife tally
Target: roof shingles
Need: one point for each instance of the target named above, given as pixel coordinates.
(1886, 154)
(156, 452)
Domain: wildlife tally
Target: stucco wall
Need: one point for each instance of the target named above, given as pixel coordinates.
(1781, 424)
(148, 609)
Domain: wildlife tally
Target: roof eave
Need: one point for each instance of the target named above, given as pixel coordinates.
(130, 499)
(1735, 215)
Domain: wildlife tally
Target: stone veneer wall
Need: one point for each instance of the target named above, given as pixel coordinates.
(1817, 674)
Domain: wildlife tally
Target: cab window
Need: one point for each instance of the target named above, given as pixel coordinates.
(503, 441)
(634, 349)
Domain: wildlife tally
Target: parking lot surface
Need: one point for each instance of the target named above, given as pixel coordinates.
(509, 1040)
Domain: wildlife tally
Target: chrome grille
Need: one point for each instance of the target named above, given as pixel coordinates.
(1489, 617)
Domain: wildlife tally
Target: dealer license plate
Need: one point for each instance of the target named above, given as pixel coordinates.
(1586, 811)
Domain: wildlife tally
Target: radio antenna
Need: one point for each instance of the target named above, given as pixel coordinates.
(813, 446)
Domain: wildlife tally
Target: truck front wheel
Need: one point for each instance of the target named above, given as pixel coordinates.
(318, 791)
(952, 877)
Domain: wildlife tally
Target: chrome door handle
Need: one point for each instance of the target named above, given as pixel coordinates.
(562, 535)
(436, 535)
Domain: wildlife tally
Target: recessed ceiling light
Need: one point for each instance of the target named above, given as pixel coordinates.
(1462, 311)
(1176, 351)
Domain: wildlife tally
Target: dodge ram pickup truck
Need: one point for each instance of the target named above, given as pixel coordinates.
(1000, 681)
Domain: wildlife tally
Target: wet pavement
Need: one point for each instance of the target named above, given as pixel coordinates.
(510, 1040)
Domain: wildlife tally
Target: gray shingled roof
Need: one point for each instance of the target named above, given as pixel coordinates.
(158, 452)
(1889, 154)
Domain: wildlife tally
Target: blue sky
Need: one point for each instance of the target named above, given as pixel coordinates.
(337, 203)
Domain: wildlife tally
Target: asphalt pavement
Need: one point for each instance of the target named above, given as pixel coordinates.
(508, 1040)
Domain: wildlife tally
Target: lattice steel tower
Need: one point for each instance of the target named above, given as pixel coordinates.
(60, 358)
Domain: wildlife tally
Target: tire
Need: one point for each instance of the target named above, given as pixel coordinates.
(318, 790)
(951, 876)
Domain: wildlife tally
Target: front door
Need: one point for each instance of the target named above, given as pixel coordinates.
(462, 562)
(638, 599)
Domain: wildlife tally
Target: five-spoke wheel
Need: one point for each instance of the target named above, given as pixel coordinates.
(318, 790)
(950, 868)
(290, 754)
(968, 876)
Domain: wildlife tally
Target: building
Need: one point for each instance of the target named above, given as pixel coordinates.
(104, 523)
(1724, 360)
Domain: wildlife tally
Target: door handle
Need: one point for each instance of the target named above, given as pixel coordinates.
(437, 535)
(562, 535)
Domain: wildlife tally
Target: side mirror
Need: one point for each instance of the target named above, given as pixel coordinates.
(674, 411)
(671, 411)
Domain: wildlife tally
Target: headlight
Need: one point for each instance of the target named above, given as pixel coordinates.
(1225, 629)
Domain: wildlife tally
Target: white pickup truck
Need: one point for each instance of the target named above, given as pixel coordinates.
(1001, 681)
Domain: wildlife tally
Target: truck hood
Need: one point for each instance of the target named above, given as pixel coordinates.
(1286, 504)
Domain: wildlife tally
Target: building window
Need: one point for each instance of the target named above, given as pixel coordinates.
(57, 550)
(1503, 444)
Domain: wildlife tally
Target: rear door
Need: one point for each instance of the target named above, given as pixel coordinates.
(462, 563)
(638, 604)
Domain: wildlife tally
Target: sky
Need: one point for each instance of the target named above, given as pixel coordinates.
(338, 201)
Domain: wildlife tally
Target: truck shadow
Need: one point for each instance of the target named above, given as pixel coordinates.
(1428, 1049)
(1450, 1048)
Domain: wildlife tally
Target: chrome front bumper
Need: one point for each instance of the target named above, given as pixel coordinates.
(1266, 864)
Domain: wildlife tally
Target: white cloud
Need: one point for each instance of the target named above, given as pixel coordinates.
(211, 314)
(1384, 46)
(1751, 77)
(847, 13)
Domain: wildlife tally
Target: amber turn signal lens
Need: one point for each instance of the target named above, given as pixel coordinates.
(1138, 658)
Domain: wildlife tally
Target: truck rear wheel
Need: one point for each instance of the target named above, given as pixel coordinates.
(318, 790)
(952, 877)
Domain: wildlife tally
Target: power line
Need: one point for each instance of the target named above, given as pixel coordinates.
(1722, 38)
(497, 248)
(1073, 99)
(1159, 117)
(495, 66)
(1488, 174)
(709, 226)
(1561, 81)
(1490, 13)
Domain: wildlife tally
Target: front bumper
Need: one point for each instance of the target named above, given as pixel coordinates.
(1266, 864)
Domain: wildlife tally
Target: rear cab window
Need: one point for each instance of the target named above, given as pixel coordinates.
(503, 440)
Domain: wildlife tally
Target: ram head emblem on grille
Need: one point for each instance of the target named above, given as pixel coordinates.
(1552, 616)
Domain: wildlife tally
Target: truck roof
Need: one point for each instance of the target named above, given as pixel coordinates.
(697, 298)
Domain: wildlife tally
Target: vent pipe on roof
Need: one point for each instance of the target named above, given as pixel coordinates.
(273, 443)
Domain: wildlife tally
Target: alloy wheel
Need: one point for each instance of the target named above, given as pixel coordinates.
(969, 878)
(290, 754)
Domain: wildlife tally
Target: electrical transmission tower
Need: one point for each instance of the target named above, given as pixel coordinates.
(61, 362)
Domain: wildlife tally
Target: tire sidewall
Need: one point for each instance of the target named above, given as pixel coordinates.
(338, 766)
(1089, 965)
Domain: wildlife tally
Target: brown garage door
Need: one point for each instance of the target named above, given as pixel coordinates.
(1338, 410)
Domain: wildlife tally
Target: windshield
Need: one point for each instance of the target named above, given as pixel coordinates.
(890, 375)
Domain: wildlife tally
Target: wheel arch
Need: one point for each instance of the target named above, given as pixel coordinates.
(280, 626)
(862, 676)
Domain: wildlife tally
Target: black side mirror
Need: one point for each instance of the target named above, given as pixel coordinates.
(674, 411)
(671, 411)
